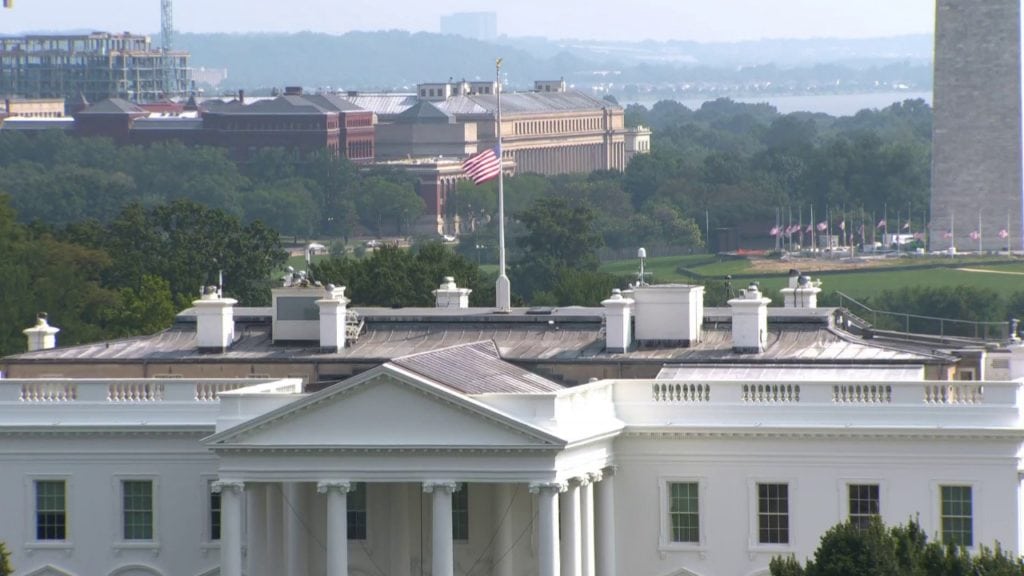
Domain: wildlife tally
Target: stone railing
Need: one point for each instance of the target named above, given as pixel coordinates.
(771, 393)
(135, 391)
(129, 391)
(42, 391)
(920, 393)
(862, 394)
(676, 392)
(954, 393)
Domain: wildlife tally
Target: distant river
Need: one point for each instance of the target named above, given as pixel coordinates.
(831, 104)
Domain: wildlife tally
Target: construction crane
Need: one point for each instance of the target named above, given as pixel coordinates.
(166, 45)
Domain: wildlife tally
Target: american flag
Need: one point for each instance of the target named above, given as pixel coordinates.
(774, 231)
(881, 223)
(822, 226)
(1004, 234)
(974, 235)
(482, 166)
(947, 235)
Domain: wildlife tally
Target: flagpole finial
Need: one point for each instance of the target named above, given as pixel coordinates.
(497, 63)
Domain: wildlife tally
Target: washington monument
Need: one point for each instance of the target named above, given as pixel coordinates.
(976, 138)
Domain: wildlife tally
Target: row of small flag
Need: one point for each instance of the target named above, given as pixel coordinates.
(821, 226)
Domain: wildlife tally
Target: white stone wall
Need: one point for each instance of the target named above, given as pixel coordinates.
(817, 470)
(93, 466)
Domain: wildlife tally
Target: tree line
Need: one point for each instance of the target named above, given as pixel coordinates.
(60, 179)
(130, 275)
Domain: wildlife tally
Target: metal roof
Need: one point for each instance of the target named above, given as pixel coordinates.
(384, 105)
(524, 103)
(388, 106)
(475, 369)
(558, 335)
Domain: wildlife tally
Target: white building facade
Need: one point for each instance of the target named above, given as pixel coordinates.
(399, 471)
(457, 461)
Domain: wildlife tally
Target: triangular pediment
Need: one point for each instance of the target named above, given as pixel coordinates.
(48, 570)
(385, 408)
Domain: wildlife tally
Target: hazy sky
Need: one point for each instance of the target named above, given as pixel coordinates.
(701, 20)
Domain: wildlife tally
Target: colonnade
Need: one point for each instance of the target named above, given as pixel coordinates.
(262, 534)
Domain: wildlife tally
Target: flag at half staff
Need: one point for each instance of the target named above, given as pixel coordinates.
(482, 166)
(822, 226)
(1004, 234)
(881, 223)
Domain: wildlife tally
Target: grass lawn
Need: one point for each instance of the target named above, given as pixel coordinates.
(1009, 277)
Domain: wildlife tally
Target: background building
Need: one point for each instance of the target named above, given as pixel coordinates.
(97, 66)
(476, 25)
(976, 142)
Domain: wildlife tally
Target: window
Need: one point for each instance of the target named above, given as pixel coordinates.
(683, 511)
(957, 513)
(773, 513)
(214, 515)
(137, 507)
(460, 513)
(357, 512)
(863, 504)
(51, 510)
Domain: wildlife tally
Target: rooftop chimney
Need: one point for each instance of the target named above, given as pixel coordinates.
(241, 96)
(215, 321)
(333, 314)
(448, 295)
(42, 336)
(669, 314)
(618, 323)
(749, 321)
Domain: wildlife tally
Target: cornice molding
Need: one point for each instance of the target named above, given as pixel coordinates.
(824, 433)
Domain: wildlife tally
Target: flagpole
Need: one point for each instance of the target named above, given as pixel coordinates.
(899, 224)
(814, 248)
(502, 288)
(980, 234)
(1008, 252)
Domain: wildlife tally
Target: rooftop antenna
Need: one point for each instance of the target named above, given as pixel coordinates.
(642, 255)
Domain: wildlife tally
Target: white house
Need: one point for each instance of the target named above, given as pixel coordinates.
(454, 460)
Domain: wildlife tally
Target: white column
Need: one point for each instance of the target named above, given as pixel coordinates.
(504, 538)
(275, 530)
(605, 537)
(547, 527)
(401, 564)
(230, 526)
(443, 549)
(570, 529)
(294, 530)
(256, 530)
(337, 525)
(587, 523)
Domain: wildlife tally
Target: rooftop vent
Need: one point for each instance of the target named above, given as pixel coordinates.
(42, 336)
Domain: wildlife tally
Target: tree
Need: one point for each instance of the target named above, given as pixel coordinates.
(189, 245)
(393, 276)
(852, 550)
(5, 560)
(560, 235)
(381, 201)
